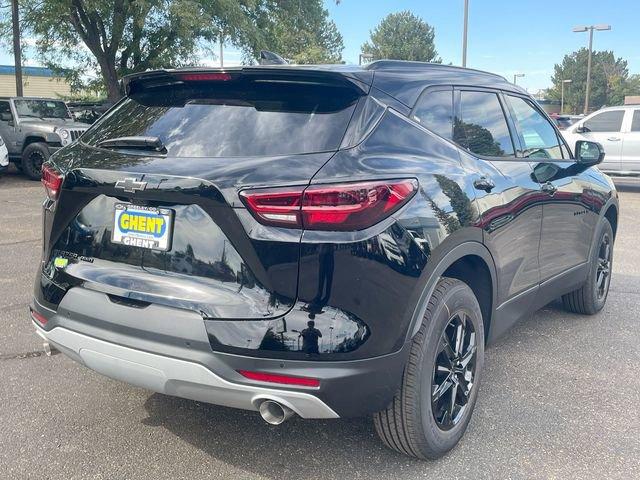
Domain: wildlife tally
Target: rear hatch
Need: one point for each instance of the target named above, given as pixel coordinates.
(158, 219)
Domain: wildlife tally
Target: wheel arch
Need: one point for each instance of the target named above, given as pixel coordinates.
(46, 138)
(463, 262)
(611, 214)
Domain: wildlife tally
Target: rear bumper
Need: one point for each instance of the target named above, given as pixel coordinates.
(176, 377)
(167, 350)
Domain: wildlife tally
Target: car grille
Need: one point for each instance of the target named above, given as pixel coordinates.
(75, 134)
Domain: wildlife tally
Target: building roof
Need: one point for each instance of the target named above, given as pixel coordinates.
(28, 71)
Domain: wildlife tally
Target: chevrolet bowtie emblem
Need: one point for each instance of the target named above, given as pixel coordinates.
(131, 185)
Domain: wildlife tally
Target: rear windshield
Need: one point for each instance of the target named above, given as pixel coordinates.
(230, 119)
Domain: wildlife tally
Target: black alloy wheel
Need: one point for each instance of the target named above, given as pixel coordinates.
(454, 371)
(603, 271)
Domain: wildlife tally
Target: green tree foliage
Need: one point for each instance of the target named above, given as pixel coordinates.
(300, 31)
(402, 36)
(115, 37)
(610, 80)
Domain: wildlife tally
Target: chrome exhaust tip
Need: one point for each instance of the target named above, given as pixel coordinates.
(274, 413)
(49, 349)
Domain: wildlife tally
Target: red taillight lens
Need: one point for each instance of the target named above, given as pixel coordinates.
(52, 181)
(282, 379)
(277, 206)
(38, 317)
(205, 77)
(340, 207)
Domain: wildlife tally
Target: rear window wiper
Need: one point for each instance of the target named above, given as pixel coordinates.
(153, 144)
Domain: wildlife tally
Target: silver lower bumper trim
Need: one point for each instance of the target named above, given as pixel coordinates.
(175, 377)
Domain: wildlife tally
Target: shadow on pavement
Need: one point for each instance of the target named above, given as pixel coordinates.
(296, 449)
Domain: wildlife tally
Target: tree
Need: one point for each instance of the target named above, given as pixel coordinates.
(610, 80)
(402, 36)
(301, 31)
(115, 37)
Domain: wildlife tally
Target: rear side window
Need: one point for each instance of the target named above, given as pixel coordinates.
(610, 121)
(434, 110)
(635, 123)
(481, 126)
(233, 119)
(537, 135)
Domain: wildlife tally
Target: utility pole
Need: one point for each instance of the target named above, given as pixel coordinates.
(590, 29)
(464, 33)
(562, 95)
(17, 54)
(221, 45)
(516, 76)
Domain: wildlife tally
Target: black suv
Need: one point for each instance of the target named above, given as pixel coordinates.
(322, 241)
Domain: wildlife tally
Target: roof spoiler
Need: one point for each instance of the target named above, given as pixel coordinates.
(138, 82)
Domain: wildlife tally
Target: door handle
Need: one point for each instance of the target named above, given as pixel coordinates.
(549, 188)
(483, 183)
(614, 139)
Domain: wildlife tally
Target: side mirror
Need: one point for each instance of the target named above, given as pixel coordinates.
(589, 153)
(582, 129)
(6, 117)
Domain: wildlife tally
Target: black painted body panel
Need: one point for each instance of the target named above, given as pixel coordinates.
(255, 288)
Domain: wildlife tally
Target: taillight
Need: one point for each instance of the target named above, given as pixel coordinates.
(52, 181)
(282, 379)
(337, 207)
(38, 317)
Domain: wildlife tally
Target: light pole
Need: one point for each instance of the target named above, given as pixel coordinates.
(562, 95)
(17, 55)
(590, 28)
(464, 33)
(517, 75)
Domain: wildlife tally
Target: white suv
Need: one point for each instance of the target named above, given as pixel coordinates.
(618, 130)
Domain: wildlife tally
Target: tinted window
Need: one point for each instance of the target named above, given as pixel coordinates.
(5, 108)
(482, 128)
(635, 123)
(610, 121)
(537, 136)
(434, 110)
(247, 119)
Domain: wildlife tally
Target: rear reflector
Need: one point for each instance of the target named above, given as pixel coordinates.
(38, 317)
(282, 379)
(52, 181)
(204, 77)
(338, 207)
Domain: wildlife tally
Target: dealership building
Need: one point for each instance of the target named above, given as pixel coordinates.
(36, 81)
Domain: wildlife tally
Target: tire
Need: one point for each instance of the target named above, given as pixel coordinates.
(408, 424)
(33, 156)
(592, 295)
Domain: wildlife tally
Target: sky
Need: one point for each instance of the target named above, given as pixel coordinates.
(505, 36)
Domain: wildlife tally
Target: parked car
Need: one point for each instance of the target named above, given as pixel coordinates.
(618, 130)
(33, 128)
(321, 241)
(88, 112)
(4, 156)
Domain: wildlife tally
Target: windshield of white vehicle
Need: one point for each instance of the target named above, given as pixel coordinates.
(43, 109)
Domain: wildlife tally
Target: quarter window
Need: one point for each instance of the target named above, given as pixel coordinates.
(537, 136)
(610, 121)
(635, 123)
(481, 126)
(434, 110)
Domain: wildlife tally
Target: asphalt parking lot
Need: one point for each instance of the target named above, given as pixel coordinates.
(560, 397)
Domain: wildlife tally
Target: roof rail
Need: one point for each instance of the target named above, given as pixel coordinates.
(382, 65)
